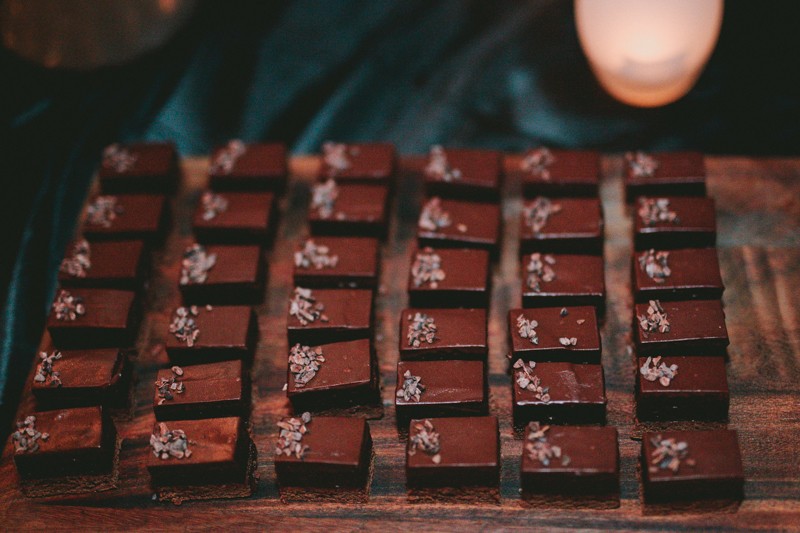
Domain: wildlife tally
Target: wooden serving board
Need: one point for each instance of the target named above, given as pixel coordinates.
(758, 211)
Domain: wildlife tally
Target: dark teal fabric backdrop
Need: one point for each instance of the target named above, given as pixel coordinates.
(497, 74)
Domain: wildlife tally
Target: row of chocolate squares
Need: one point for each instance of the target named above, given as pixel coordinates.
(320, 458)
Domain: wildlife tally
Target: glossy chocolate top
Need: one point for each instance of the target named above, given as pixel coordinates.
(209, 383)
(694, 214)
(235, 264)
(479, 168)
(105, 308)
(220, 327)
(567, 383)
(244, 211)
(70, 431)
(347, 364)
(345, 308)
(464, 442)
(578, 218)
(673, 167)
(356, 203)
(568, 167)
(109, 260)
(454, 328)
(151, 159)
(715, 454)
(689, 320)
(258, 160)
(211, 441)
(465, 269)
(579, 323)
(85, 369)
(574, 275)
(695, 268)
(695, 374)
(141, 213)
(366, 160)
(355, 256)
(591, 450)
(470, 222)
(333, 440)
(444, 381)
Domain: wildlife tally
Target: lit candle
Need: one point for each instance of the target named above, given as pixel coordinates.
(648, 52)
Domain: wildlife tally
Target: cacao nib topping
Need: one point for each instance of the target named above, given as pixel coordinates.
(167, 442)
(422, 328)
(118, 158)
(315, 256)
(305, 308)
(226, 158)
(656, 319)
(659, 371)
(103, 211)
(304, 363)
(540, 270)
(655, 265)
(655, 210)
(425, 439)
(44, 370)
(540, 450)
(68, 307)
(439, 168)
(337, 156)
(26, 438)
(323, 198)
(538, 212)
(78, 261)
(196, 264)
(167, 388)
(184, 326)
(213, 205)
(669, 454)
(527, 329)
(433, 217)
(529, 381)
(290, 438)
(537, 162)
(641, 164)
(412, 388)
(427, 268)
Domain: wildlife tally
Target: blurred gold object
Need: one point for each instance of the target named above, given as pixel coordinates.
(85, 34)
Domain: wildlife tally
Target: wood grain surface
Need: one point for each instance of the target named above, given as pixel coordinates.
(758, 209)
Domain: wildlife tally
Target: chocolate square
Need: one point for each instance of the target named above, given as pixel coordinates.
(144, 167)
(322, 316)
(223, 333)
(337, 262)
(238, 276)
(463, 173)
(560, 173)
(349, 210)
(213, 390)
(459, 224)
(104, 265)
(695, 326)
(674, 222)
(550, 280)
(563, 225)
(428, 389)
(664, 173)
(457, 334)
(358, 163)
(449, 278)
(235, 218)
(94, 318)
(688, 274)
(550, 339)
(238, 166)
(126, 217)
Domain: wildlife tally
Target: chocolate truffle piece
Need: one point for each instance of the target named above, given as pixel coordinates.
(81, 378)
(222, 275)
(94, 318)
(427, 334)
(558, 393)
(333, 377)
(349, 210)
(337, 262)
(68, 451)
(689, 274)
(329, 315)
(213, 390)
(684, 466)
(209, 334)
(104, 265)
(554, 334)
(550, 280)
(674, 222)
(449, 278)
(459, 224)
(560, 173)
(681, 388)
(201, 460)
(139, 167)
(576, 465)
(564, 225)
(323, 458)
(467, 174)
(126, 217)
(428, 389)
(677, 328)
(235, 218)
(673, 173)
(358, 163)
(237, 166)
(453, 458)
